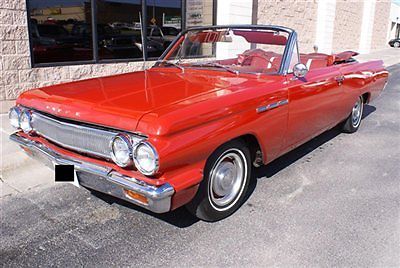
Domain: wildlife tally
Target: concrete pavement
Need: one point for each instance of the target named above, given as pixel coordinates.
(19, 173)
(332, 202)
(390, 56)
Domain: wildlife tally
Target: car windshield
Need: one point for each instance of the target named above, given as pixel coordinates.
(233, 50)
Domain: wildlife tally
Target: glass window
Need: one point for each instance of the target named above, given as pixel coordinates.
(61, 30)
(118, 29)
(53, 34)
(165, 22)
(199, 13)
(237, 50)
(294, 59)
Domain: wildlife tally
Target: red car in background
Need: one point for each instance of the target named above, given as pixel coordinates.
(189, 131)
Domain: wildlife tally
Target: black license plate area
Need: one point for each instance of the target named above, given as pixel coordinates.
(64, 173)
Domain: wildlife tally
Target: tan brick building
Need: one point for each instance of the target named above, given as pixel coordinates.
(27, 60)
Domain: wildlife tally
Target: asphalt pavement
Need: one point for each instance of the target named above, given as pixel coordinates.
(335, 201)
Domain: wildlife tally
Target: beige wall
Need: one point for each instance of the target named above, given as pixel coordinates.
(381, 25)
(299, 15)
(347, 26)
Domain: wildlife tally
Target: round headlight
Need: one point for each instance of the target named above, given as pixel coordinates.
(121, 150)
(25, 121)
(146, 158)
(14, 116)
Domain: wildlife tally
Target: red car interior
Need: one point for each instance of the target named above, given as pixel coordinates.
(259, 60)
(259, 37)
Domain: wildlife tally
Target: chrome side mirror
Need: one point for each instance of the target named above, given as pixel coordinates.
(300, 70)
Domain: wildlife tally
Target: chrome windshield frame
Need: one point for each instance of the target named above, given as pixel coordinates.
(286, 56)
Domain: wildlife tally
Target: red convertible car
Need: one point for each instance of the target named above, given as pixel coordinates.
(190, 130)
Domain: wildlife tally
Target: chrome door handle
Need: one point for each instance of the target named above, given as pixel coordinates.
(339, 79)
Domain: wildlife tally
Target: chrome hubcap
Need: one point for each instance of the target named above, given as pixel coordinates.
(227, 180)
(357, 113)
(397, 44)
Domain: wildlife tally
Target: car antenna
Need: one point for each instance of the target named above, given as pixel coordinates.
(143, 43)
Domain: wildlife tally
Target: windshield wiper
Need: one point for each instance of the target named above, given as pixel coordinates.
(176, 64)
(217, 65)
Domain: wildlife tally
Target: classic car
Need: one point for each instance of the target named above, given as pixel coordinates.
(394, 42)
(219, 102)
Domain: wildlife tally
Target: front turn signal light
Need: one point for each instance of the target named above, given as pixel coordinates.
(137, 197)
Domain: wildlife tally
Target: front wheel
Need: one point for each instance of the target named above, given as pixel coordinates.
(353, 122)
(226, 179)
(396, 44)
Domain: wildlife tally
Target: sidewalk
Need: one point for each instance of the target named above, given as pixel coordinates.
(390, 56)
(19, 173)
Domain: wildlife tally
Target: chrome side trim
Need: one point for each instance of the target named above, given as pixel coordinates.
(271, 106)
(102, 178)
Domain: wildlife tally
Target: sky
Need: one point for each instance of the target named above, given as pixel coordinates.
(397, 2)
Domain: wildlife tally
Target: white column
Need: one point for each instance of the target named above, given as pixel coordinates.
(233, 12)
(325, 25)
(367, 25)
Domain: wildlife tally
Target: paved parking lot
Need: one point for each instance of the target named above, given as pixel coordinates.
(334, 201)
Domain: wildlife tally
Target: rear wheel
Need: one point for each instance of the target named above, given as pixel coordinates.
(353, 122)
(396, 44)
(226, 179)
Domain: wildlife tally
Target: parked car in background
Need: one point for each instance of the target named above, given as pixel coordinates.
(170, 31)
(52, 43)
(162, 35)
(191, 129)
(113, 43)
(395, 43)
(125, 25)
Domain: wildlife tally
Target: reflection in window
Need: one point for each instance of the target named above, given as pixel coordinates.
(165, 23)
(199, 13)
(52, 30)
(118, 29)
(61, 30)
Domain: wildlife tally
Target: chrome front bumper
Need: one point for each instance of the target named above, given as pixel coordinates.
(102, 179)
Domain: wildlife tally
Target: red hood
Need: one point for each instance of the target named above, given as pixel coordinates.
(120, 101)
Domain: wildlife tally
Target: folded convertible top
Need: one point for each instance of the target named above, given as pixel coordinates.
(344, 56)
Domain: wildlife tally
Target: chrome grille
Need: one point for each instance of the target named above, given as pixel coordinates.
(72, 136)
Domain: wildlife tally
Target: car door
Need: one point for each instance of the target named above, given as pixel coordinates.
(314, 104)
